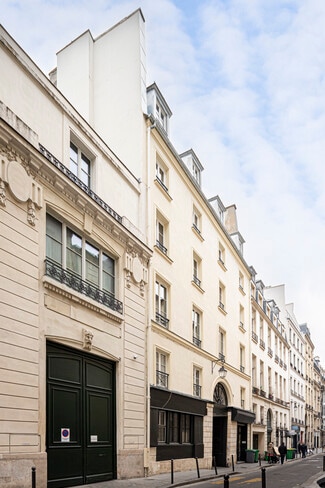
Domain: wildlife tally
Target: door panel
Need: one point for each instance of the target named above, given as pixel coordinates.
(81, 400)
(220, 440)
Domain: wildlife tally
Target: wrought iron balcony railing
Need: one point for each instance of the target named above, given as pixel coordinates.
(55, 271)
(162, 379)
(161, 247)
(61, 167)
(162, 320)
(196, 341)
(197, 390)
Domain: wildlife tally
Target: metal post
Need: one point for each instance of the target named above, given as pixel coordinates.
(263, 478)
(33, 477)
(226, 481)
(232, 462)
(214, 464)
(197, 467)
(260, 460)
(323, 463)
(172, 471)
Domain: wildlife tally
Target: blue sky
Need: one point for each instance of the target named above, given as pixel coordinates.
(245, 80)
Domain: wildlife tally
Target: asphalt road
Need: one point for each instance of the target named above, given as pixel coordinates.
(291, 474)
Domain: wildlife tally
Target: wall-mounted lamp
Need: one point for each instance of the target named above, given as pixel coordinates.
(222, 370)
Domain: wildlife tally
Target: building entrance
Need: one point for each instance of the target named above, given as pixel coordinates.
(81, 446)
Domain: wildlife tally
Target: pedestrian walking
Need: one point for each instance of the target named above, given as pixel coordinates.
(283, 451)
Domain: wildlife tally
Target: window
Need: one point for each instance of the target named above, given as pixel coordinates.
(161, 369)
(241, 281)
(222, 296)
(241, 317)
(74, 253)
(242, 397)
(161, 233)
(161, 115)
(196, 382)
(221, 254)
(196, 222)
(196, 320)
(242, 358)
(222, 345)
(79, 164)
(175, 427)
(196, 270)
(161, 175)
(161, 304)
(162, 426)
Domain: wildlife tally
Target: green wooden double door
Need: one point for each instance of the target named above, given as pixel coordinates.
(81, 427)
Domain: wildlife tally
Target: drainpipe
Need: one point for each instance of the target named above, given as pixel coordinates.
(149, 304)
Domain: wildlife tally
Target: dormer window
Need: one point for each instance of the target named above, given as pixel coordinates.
(157, 106)
(193, 164)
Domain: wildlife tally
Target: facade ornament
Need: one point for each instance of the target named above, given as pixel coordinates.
(2, 193)
(31, 214)
(128, 279)
(87, 339)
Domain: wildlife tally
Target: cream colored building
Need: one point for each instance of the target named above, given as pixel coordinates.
(270, 378)
(199, 312)
(73, 292)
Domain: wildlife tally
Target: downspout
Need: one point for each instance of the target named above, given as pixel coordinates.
(149, 304)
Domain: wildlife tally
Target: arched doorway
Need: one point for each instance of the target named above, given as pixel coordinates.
(219, 437)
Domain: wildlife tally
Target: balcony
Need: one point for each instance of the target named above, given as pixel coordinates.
(162, 379)
(262, 344)
(255, 390)
(161, 247)
(163, 186)
(276, 358)
(61, 167)
(197, 281)
(197, 390)
(242, 369)
(254, 337)
(196, 341)
(161, 319)
(270, 352)
(55, 271)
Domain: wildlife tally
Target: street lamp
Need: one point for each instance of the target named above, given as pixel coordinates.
(222, 370)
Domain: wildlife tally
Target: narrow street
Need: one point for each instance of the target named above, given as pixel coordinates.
(289, 475)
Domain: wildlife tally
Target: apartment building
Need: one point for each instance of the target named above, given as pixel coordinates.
(74, 274)
(200, 312)
(270, 372)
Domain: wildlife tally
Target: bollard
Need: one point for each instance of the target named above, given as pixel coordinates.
(197, 467)
(33, 477)
(232, 462)
(172, 471)
(323, 463)
(214, 463)
(263, 478)
(226, 481)
(260, 460)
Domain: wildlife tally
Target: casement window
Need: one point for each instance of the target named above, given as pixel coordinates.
(221, 255)
(161, 312)
(241, 281)
(196, 324)
(222, 296)
(161, 369)
(242, 358)
(175, 427)
(72, 252)
(161, 175)
(161, 115)
(162, 426)
(196, 220)
(241, 317)
(196, 382)
(222, 345)
(196, 270)
(161, 233)
(80, 164)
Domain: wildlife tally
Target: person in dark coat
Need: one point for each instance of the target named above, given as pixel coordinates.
(283, 451)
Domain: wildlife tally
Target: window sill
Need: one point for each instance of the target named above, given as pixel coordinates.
(222, 310)
(242, 291)
(163, 254)
(222, 265)
(197, 233)
(242, 328)
(197, 287)
(163, 189)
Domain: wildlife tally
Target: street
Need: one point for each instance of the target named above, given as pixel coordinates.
(289, 475)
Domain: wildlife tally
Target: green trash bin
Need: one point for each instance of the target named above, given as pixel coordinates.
(250, 455)
(256, 452)
(291, 453)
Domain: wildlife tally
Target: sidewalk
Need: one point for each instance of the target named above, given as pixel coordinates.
(181, 477)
